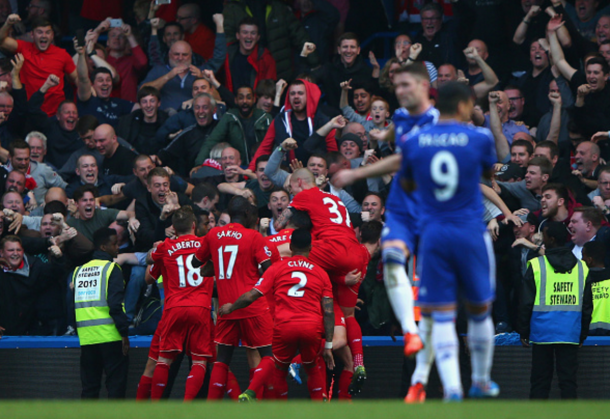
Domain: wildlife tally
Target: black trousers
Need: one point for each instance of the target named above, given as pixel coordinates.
(545, 359)
(103, 358)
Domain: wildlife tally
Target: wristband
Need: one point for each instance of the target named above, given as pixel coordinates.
(527, 22)
(328, 345)
(94, 52)
(280, 149)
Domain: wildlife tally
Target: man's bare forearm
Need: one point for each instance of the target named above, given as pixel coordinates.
(282, 220)
(329, 318)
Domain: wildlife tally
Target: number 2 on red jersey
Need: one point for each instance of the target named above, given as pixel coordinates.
(333, 208)
(297, 290)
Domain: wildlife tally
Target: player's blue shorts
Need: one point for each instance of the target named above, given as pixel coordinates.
(456, 259)
(400, 227)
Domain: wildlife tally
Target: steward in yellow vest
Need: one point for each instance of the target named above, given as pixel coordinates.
(596, 299)
(101, 322)
(550, 313)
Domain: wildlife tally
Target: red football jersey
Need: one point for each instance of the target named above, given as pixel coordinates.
(281, 237)
(298, 287)
(183, 284)
(236, 252)
(328, 214)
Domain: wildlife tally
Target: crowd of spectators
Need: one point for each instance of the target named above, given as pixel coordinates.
(117, 115)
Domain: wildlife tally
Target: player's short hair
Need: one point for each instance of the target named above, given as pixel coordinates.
(305, 175)
(148, 91)
(80, 192)
(55, 206)
(248, 20)
(238, 207)
(80, 159)
(417, 70)
(378, 195)
(513, 87)
(334, 157)
(100, 70)
(139, 158)
(380, 99)
(86, 123)
(432, 6)
(547, 144)
(367, 86)
(596, 250)
(450, 95)
(370, 232)
(183, 219)
(157, 171)
(204, 190)
(319, 156)
(265, 88)
(523, 143)
(17, 144)
(591, 215)
(351, 36)
(602, 62)
(10, 238)
(546, 167)
(102, 236)
(300, 219)
(560, 190)
(557, 231)
(300, 240)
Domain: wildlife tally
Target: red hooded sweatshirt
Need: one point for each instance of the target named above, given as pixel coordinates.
(313, 94)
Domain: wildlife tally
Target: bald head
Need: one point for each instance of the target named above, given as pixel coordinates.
(56, 194)
(180, 53)
(301, 180)
(587, 157)
(105, 140)
(481, 48)
(446, 73)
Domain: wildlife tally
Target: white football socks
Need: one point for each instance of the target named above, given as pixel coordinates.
(481, 345)
(446, 347)
(400, 295)
(424, 357)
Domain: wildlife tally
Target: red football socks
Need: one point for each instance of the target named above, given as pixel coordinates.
(143, 392)
(262, 375)
(315, 383)
(159, 380)
(194, 381)
(280, 384)
(218, 381)
(344, 382)
(354, 340)
(233, 390)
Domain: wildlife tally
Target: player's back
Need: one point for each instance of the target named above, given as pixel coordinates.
(298, 287)
(446, 161)
(183, 284)
(281, 241)
(236, 252)
(329, 216)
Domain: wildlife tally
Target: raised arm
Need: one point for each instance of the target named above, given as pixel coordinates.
(490, 80)
(521, 31)
(555, 127)
(502, 148)
(6, 42)
(557, 55)
(83, 84)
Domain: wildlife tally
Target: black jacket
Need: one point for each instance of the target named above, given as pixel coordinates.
(595, 275)
(181, 153)
(60, 143)
(152, 228)
(562, 260)
(19, 291)
(129, 130)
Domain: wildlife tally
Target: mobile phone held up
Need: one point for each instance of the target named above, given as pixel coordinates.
(160, 2)
(80, 37)
(116, 23)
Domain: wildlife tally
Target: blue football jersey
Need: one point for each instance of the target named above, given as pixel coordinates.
(446, 162)
(399, 202)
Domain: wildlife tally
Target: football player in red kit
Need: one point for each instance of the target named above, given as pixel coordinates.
(304, 313)
(236, 252)
(188, 300)
(336, 250)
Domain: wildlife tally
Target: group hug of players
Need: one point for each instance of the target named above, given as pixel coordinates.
(434, 209)
(302, 313)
